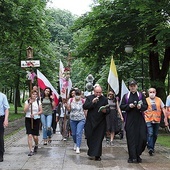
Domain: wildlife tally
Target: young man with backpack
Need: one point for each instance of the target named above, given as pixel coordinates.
(134, 103)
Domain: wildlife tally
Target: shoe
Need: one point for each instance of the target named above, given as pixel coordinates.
(64, 139)
(150, 152)
(75, 147)
(77, 150)
(139, 160)
(111, 143)
(45, 142)
(31, 153)
(97, 158)
(132, 160)
(35, 148)
(49, 140)
(1, 159)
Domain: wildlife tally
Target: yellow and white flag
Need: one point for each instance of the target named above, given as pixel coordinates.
(113, 77)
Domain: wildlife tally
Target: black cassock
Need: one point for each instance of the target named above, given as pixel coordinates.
(95, 126)
(135, 125)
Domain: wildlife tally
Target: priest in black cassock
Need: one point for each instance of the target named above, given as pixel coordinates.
(95, 127)
(134, 103)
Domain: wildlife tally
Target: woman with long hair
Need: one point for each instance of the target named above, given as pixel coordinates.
(46, 116)
(77, 119)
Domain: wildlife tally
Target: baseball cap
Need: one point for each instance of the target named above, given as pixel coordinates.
(132, 82)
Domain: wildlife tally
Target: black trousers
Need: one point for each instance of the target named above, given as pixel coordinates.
(2, 136)
(54, 123)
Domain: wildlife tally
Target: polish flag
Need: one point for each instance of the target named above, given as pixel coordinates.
(43, 83)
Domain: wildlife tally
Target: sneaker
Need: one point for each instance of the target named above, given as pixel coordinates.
(45, 142)
(75, 147)
(31, 153)
(35, 148)
(111, 143)
(150, 152)
(77, 150)
(64, 139)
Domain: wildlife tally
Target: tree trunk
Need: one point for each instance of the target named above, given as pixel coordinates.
(11, 95)
(157, 74)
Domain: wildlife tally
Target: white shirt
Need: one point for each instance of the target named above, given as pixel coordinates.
(35, 109)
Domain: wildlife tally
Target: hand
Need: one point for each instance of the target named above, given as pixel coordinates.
(166, 122)
(5, 123)
(139, 106)
(57, 119)
(95, 100)
(32, 115)
(65, 105)
(103, 110)
(131, 105)
(122, 118)
(52, 97)
(30, 101)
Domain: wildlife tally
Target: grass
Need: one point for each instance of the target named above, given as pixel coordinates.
(13, 116)
(163, 138)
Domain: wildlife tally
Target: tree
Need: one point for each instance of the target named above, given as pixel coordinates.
(113, 24)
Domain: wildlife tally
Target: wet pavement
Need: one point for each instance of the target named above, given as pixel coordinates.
(59, 155)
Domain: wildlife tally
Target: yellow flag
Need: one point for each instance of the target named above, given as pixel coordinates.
(113, 77)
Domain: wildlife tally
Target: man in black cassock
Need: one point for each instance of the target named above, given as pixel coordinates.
(95, 126)
(134, 103)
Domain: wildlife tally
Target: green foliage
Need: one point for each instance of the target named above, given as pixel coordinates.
(112, 24)
(13, 116)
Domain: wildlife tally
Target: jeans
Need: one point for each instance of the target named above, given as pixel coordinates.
(152, 134)
(46, 121)
(77, 131)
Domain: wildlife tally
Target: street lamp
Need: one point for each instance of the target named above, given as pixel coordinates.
(128, 48)
(89, 85)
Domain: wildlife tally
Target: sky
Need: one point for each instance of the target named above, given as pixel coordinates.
(77, 7)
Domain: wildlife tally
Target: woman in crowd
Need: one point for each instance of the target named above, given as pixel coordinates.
(63, 118)
(33, 109)
(77, 119)
(112, 118)
(46, 116)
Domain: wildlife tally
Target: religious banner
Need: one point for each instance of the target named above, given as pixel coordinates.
(65, 81)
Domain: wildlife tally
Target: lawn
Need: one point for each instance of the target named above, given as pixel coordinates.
(164, 138)
(13, 116)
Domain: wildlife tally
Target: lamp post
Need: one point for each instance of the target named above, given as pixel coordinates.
(128, 49)
(89, 85)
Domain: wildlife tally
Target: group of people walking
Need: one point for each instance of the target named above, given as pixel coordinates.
(96, 115)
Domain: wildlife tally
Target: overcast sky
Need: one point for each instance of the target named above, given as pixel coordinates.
(77, 7)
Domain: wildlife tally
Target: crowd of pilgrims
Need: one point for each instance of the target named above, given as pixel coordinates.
(97, 117)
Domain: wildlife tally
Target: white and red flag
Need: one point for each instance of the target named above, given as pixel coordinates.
(65, 81)
(43, 82)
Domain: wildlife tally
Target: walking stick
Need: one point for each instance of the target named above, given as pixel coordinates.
(31, 105)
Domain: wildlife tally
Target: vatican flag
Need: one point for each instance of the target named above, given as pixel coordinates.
(113, 77)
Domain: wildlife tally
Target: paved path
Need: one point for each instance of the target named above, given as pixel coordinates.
(59, 155)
